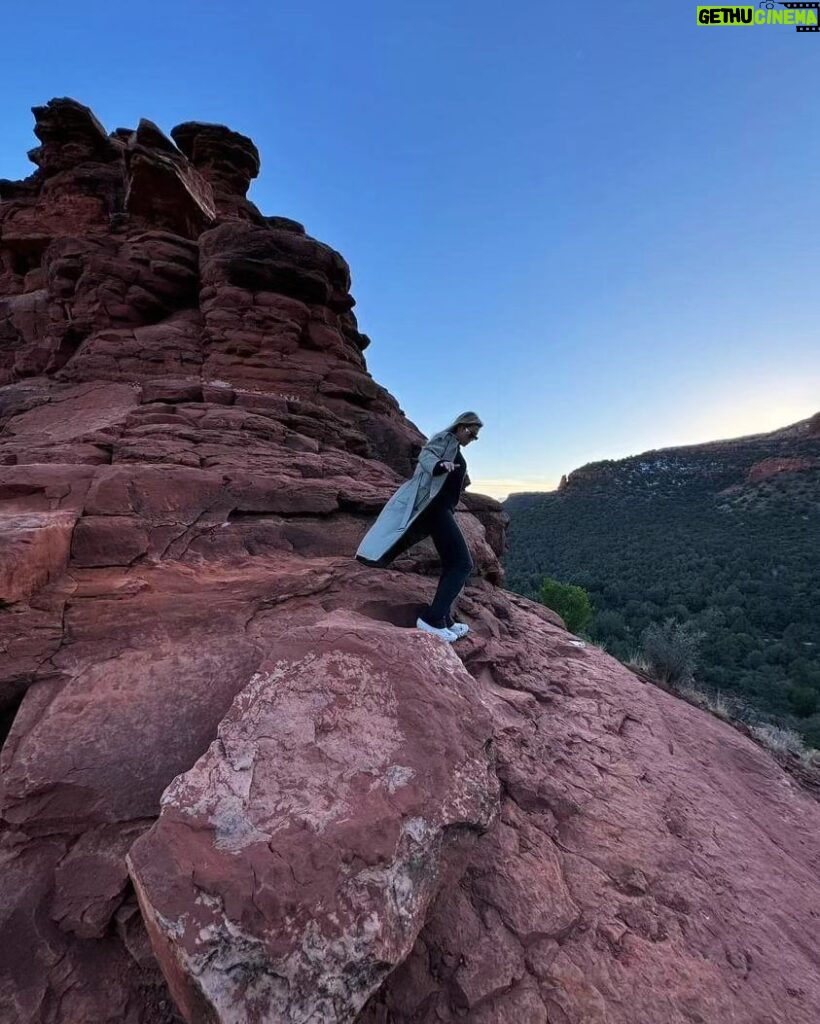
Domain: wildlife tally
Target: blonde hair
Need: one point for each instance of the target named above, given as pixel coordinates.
(466, 419)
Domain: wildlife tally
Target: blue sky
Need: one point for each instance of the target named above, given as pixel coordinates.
(596, 224)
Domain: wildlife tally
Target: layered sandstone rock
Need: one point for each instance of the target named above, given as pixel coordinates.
(235, 786)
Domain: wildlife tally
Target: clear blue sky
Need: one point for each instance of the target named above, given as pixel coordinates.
(596, 224)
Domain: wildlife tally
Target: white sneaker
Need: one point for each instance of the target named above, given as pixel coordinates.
(459, 628)
(443, 634)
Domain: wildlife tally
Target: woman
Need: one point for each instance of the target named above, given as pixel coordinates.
(422, 507)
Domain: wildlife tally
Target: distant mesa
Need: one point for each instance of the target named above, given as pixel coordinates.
(712, 459)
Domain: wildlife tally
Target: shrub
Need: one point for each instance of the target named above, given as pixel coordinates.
(610, 624)
(635, 659)
(730, 709)
(781, 741)
(811, 734)
(803, 700)
(571, 602)
(671, 651)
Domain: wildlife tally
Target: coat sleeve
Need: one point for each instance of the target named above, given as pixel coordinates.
(432, 453)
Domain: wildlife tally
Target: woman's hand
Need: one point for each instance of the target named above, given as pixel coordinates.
(448, 466)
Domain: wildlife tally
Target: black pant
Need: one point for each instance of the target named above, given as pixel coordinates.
(438, 522)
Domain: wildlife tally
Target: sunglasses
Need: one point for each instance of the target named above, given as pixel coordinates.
(472, 432)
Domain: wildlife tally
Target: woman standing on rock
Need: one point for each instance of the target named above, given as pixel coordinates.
(422, 507)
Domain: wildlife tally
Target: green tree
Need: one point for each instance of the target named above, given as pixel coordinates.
(610, 625)
(571, 602)
(803, 700)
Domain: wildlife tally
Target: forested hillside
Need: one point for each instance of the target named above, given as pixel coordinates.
(725, 536)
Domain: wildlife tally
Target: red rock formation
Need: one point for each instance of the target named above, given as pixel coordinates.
(234, 786)
(768, 468)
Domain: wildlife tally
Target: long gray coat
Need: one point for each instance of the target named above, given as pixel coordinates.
(409, 501)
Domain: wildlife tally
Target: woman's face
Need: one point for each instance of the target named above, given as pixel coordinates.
(467, 433)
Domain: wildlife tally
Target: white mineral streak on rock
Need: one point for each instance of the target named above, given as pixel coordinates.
(397, 776)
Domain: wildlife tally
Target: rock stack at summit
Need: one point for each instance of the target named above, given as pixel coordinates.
(233, 785)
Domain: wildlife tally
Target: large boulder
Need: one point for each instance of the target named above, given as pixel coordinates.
(292, 867)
